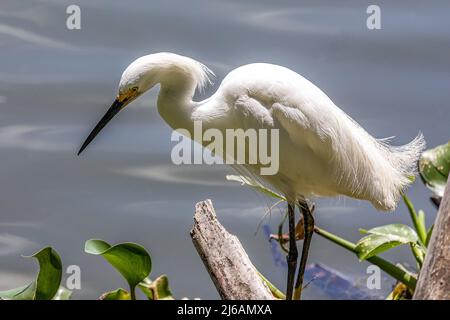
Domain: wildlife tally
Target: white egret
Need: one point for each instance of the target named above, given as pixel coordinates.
(322, 151)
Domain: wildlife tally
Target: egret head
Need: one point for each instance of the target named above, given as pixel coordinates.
(140, 76)
(146, 72)
(137, 78)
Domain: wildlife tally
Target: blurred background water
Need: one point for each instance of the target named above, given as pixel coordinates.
(55, 83)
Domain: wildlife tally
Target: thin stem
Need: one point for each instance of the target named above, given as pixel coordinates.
(420, 228)
(391, 269)
(133, 292)
(277, 293)
(417, 254)
(337, 240)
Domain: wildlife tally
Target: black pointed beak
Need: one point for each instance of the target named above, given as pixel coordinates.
(112, 111)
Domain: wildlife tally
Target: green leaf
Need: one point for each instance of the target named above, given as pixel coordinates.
(373, 245)
(434, 167)
(157, 289)
(62, 294)
(50, 273)
(119, 294)
(130, 259)
(144, 285)
(277, 293)
(22, 293)
(384, 238)
(47, 282)
(243, 180)
(394, 271)
(396, 231)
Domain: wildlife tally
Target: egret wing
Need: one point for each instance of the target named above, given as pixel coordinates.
(305, 130)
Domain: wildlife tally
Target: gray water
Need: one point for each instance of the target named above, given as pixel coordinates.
(56, 83)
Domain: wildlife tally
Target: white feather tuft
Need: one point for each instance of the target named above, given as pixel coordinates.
(381, 172)
(200, 73)
(204, 77)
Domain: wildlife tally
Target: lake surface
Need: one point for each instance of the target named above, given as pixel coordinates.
(55, 83)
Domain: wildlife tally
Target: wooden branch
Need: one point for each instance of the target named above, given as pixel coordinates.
(434, 278)
(227, 263)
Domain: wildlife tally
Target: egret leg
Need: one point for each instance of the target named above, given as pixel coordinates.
(308, 221)
(292, 254)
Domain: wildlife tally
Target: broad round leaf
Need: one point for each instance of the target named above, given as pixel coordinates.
(397, 232)
(384, 238)
(130, 259)
(434, 167)
(375, 244)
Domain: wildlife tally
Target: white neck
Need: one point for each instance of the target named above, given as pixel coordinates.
(175, 103)
(179, 77)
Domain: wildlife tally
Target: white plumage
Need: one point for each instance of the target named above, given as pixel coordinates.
(322, 151)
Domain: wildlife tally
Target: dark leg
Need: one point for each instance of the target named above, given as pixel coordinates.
(293, 254)
(309, 229)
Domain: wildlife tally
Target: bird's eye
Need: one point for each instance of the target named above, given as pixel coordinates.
(134, 89)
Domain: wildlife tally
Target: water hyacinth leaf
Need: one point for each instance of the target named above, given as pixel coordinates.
(434, 167)
(144, 285)
(375, 244)
(47, 282)
(50, 273)
(398, 232)
(256, 185)
(157, 289)
(441, 158)
(384, 238)
(21, 293)
(62, 294)
(130, 259)
(395, 271)
(119, 294)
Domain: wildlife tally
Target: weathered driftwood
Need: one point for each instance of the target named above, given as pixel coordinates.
(228, 264)
(434, 278)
